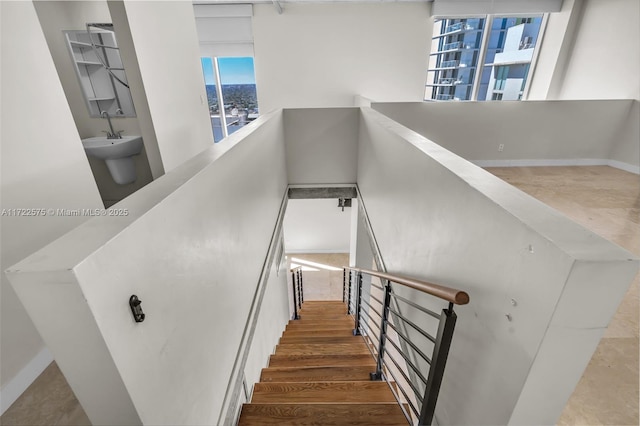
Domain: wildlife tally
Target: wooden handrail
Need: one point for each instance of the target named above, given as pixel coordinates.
(452, 295)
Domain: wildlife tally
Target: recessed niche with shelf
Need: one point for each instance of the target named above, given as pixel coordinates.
(99, 68)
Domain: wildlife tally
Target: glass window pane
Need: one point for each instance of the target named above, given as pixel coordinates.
(508, 57)
(238, 81)
(453, 62)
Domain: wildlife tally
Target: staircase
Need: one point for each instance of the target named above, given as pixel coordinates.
(319, 375)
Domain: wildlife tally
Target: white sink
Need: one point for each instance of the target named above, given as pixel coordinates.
(117, 153)
(103, 148)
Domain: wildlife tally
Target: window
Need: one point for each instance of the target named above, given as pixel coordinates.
(473, 57)
(231, 93)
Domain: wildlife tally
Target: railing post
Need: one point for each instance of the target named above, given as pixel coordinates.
(349, 295)
(299, 291)
(356, 330)
(295, 303)
(344, 282)
(377, 375)
(438, 362)
(301, 288)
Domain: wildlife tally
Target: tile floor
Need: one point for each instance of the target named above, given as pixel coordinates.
(603, 199)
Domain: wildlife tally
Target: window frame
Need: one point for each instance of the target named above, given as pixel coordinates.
(488, 24)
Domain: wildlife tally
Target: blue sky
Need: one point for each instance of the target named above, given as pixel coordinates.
(232, 71)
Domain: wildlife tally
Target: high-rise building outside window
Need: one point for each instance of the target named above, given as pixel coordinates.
(481, 58)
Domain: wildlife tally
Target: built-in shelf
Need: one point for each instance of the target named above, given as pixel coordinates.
(84, 45)
(100, 72)
(80, 43)
(101, 99)
(99, 64)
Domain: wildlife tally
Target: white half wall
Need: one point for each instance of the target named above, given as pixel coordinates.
(462, 227)
(166, 45)
(43, 167)
(192, 247)
(533, 133)
(317, 226)
(318, 55)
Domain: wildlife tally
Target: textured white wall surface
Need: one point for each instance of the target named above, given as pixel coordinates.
(317, 226)
(319, 55)
(611, 27)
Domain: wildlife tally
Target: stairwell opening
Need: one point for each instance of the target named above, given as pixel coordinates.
(319, 236)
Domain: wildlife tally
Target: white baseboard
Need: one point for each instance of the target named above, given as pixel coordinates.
(625, 166)
(16, 386)
(561, 162)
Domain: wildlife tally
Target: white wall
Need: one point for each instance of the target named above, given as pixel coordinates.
(271, 323)
(626, 141)
(555, 48)
(462, 227)
(317, 226)
(605, 59)
(165, 40)
(321, 145)
(184, 250)
(533, 133)
(43, 166)
(315, 55)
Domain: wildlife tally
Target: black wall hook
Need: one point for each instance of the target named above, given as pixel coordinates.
(136, 308)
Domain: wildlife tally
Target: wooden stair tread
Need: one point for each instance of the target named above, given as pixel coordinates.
(322, 414)
(320, 349)
(319, 339)
(320, 360)
(319, 327)
(317, 373)
(318, 333)
(312, 392)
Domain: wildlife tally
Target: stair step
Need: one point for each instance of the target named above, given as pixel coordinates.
(322, 414)
(305, 316)
(317, 374)
(321, 360)
(329, 340)
(320, 324)
(320, 349)
(288, 392)
(318, 333)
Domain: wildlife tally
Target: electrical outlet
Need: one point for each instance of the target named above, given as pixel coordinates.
(501, 147)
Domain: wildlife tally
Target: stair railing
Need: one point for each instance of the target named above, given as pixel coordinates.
(396, 325)
(298, 290)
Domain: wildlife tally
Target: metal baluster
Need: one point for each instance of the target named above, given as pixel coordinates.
(293, 288)
(349, 295)
(438, 363)
(344, 282)
(356, 331)
(377, 375)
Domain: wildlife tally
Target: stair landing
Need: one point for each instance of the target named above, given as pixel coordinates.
(319, 375)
